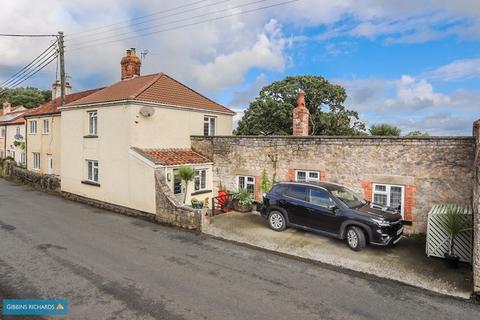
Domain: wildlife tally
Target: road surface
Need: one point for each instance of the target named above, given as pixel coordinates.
(111, 266)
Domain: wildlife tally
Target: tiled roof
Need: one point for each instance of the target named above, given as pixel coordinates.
(12, 118)
(156, 88)
(171, 157)
(52, 106)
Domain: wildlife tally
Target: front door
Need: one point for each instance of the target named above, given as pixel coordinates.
(178, 187)
(49, 164)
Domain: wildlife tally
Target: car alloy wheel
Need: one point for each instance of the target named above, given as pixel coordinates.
(352, 238)
(276, 221)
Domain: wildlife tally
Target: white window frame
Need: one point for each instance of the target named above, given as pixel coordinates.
(92, 122)
(33, 127)
(22, 158)
(308, 178)
(92, 165)
(36, 160)
(248, 180)
(201, 176)
(46, 126)
(2, 132)
(212, 129)
(387, 192)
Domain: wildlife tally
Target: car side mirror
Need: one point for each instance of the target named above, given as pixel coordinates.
(333, 208)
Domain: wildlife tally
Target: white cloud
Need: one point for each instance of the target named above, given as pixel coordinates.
(456, 70)
(230, 69)
(242, 98)
(415, 94)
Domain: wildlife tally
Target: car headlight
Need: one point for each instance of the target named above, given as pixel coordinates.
(381, 223)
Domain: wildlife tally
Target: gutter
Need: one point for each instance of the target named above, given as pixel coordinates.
(139, 102)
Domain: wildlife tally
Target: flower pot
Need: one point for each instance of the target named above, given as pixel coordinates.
(241, 208)
(451, 261)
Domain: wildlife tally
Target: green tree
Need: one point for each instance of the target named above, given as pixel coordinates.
(186, 174)
(271, 112)
(384, 130)
(417, 133)
(28, 97)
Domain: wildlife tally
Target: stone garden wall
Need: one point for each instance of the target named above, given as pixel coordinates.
(476, 210)
(43, 181)
(171, 211)
(432, 170)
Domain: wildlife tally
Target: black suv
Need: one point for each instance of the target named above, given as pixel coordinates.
(333, 210)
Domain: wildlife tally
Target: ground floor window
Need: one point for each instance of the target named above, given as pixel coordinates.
(200, 179)
(92, 170)
(304, 175)
(388, 195)
(36, 160)
(22, 158)
(246, 182)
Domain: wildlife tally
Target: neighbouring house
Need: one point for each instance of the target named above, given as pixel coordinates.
(43, 131)
(115, 139)
(12, 133)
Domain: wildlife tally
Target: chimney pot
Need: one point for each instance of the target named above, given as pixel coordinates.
(300, 116)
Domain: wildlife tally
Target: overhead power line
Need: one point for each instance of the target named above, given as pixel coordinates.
(96, 42)
(27, 35)
(137, 18)
(151, 20)
(30, 65)
(33, 72)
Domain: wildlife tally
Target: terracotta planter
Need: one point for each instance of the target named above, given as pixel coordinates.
(241, 208)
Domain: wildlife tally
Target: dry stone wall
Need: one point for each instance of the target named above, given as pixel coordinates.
(433, 170)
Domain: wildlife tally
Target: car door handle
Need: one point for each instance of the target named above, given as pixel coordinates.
(282, 202)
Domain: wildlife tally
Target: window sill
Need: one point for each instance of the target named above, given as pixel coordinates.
(90, 136)
(91, 183)
(196, 193)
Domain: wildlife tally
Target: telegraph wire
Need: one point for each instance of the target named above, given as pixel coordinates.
(176, 21)
(30, 65)
(32, 73)
(27, 35)
(92, 43)
(142, 17)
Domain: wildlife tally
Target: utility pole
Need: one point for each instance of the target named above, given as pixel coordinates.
(61, 54)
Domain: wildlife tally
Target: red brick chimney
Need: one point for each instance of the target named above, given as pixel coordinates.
(300, 116)
(130, 65)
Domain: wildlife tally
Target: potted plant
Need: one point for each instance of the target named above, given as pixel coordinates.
(454, 225)
(196, 204)
(243, 201)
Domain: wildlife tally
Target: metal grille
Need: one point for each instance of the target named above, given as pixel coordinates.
(437, 238)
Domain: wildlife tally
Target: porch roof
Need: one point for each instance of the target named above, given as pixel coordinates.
(172, 157)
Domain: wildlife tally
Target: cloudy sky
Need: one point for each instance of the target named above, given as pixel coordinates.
(415, 64)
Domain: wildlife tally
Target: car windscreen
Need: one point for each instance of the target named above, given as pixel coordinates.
(348, 197)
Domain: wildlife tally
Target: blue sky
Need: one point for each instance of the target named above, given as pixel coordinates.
(414, 64)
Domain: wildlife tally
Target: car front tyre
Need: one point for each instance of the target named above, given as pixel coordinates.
(356, 238)
(276, 221)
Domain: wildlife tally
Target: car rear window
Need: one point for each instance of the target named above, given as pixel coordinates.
(297, 192)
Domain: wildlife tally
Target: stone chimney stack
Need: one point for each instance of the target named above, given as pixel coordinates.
(57, 90)
(300, 116)
(7, 107)
(130, 65)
